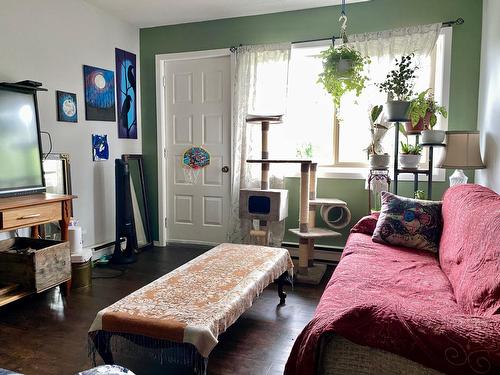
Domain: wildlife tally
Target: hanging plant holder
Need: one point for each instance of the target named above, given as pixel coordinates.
(342, 66)
(343, 72)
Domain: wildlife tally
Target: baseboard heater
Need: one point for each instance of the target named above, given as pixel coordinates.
(322, 253)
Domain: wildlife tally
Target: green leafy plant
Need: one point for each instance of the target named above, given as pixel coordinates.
(423, 104)
(377, 132)
(400, 81)
(408, 149)
(305, 151)
(420, 194)
(375, 113)
(343, 72)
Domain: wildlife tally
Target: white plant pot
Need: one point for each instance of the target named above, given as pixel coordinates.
(344, 66)
(407, 161)
(379, 161)
(433, 136)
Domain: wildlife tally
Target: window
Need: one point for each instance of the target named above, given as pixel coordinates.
(339, 139)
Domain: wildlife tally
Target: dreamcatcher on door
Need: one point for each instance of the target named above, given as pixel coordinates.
(193, 160)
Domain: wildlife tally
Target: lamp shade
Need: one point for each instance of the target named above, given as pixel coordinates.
(462, 151)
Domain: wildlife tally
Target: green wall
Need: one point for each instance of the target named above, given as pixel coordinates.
(316, 23)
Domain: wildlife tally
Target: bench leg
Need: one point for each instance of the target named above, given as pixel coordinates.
(281, 283)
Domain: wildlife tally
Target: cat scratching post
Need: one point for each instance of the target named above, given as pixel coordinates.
(304, 243)
(262, 209)
(308, 271)
(264, 171)
(269, 205)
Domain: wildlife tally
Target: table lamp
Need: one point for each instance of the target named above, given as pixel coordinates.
(461, 152)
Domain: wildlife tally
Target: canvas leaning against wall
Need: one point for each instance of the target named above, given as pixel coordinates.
(99, 94)
(126, 93)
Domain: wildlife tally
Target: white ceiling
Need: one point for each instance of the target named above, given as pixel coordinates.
(148, 13)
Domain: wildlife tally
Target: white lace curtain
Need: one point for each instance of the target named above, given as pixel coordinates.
(389, 44)
(260, 87)
(384, 46)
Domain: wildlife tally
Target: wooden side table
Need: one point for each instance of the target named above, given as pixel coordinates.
(33, 211)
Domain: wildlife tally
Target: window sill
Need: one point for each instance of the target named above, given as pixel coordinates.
(338, 173)
(351, 173)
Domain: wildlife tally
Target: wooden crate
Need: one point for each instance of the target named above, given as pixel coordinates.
(35, 264)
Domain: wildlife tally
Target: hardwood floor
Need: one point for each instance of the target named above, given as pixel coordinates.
(46, 334)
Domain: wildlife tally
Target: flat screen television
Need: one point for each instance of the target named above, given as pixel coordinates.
(21, 170)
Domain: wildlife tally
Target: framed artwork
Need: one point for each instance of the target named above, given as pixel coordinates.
(66, 107)
(126, 94)
(99, 94)
(100, 147)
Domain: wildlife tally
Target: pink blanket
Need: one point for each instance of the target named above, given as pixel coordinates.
(399, 300)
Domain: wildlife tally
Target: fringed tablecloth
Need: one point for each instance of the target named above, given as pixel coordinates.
(194, 303)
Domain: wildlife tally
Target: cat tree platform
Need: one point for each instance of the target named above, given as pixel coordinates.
(268, 205)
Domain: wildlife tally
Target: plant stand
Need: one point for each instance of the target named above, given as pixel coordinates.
(377, 177)
(416, 172)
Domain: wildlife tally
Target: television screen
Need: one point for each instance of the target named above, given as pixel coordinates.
(20, 158)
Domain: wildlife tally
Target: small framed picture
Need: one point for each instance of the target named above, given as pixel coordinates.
(100, 147)
(66, 107)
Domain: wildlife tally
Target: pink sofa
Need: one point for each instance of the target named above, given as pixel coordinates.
(435, 313)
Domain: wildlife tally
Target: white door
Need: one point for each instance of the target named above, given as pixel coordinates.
(198, 113)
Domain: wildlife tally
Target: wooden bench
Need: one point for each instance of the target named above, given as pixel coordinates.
(181, 314)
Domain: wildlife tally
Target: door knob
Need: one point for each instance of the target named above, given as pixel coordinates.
(225, 169)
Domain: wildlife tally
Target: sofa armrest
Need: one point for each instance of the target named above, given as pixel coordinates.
(366, 224)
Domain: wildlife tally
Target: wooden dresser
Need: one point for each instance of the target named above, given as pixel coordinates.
(32, 211)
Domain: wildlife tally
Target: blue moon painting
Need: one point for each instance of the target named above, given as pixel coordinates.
(99, 94)
(126, 94)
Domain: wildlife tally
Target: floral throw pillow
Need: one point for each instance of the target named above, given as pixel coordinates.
(409, 222)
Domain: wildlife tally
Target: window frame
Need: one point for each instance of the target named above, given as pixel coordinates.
(358, 170)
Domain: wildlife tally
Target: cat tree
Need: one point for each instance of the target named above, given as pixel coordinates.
(269, 205)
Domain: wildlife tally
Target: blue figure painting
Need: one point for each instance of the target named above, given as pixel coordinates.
(66, 107)
(99, 94)
(100, 147)
(126, 94)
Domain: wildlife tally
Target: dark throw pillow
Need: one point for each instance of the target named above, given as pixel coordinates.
(409, 222)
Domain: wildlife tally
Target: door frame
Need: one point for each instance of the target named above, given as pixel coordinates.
(161, 61)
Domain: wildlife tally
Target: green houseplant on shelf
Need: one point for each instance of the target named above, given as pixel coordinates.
(423, 117)
(342, 72)
(399, 85)
(409, 155)
(376, 155)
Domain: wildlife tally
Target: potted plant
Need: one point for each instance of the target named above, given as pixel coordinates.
(409, 156)
(378, 159)
(420, 194)
(423, 117)
(342, 72)
(399, 85)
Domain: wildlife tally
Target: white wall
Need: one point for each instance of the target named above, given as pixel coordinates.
(489, 97)
(49, 41)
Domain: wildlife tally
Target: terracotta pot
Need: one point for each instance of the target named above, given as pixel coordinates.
(422, 124)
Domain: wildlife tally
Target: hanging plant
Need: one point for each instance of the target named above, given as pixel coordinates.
(343, 72)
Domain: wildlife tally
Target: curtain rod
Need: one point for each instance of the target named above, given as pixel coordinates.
(458, 21)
